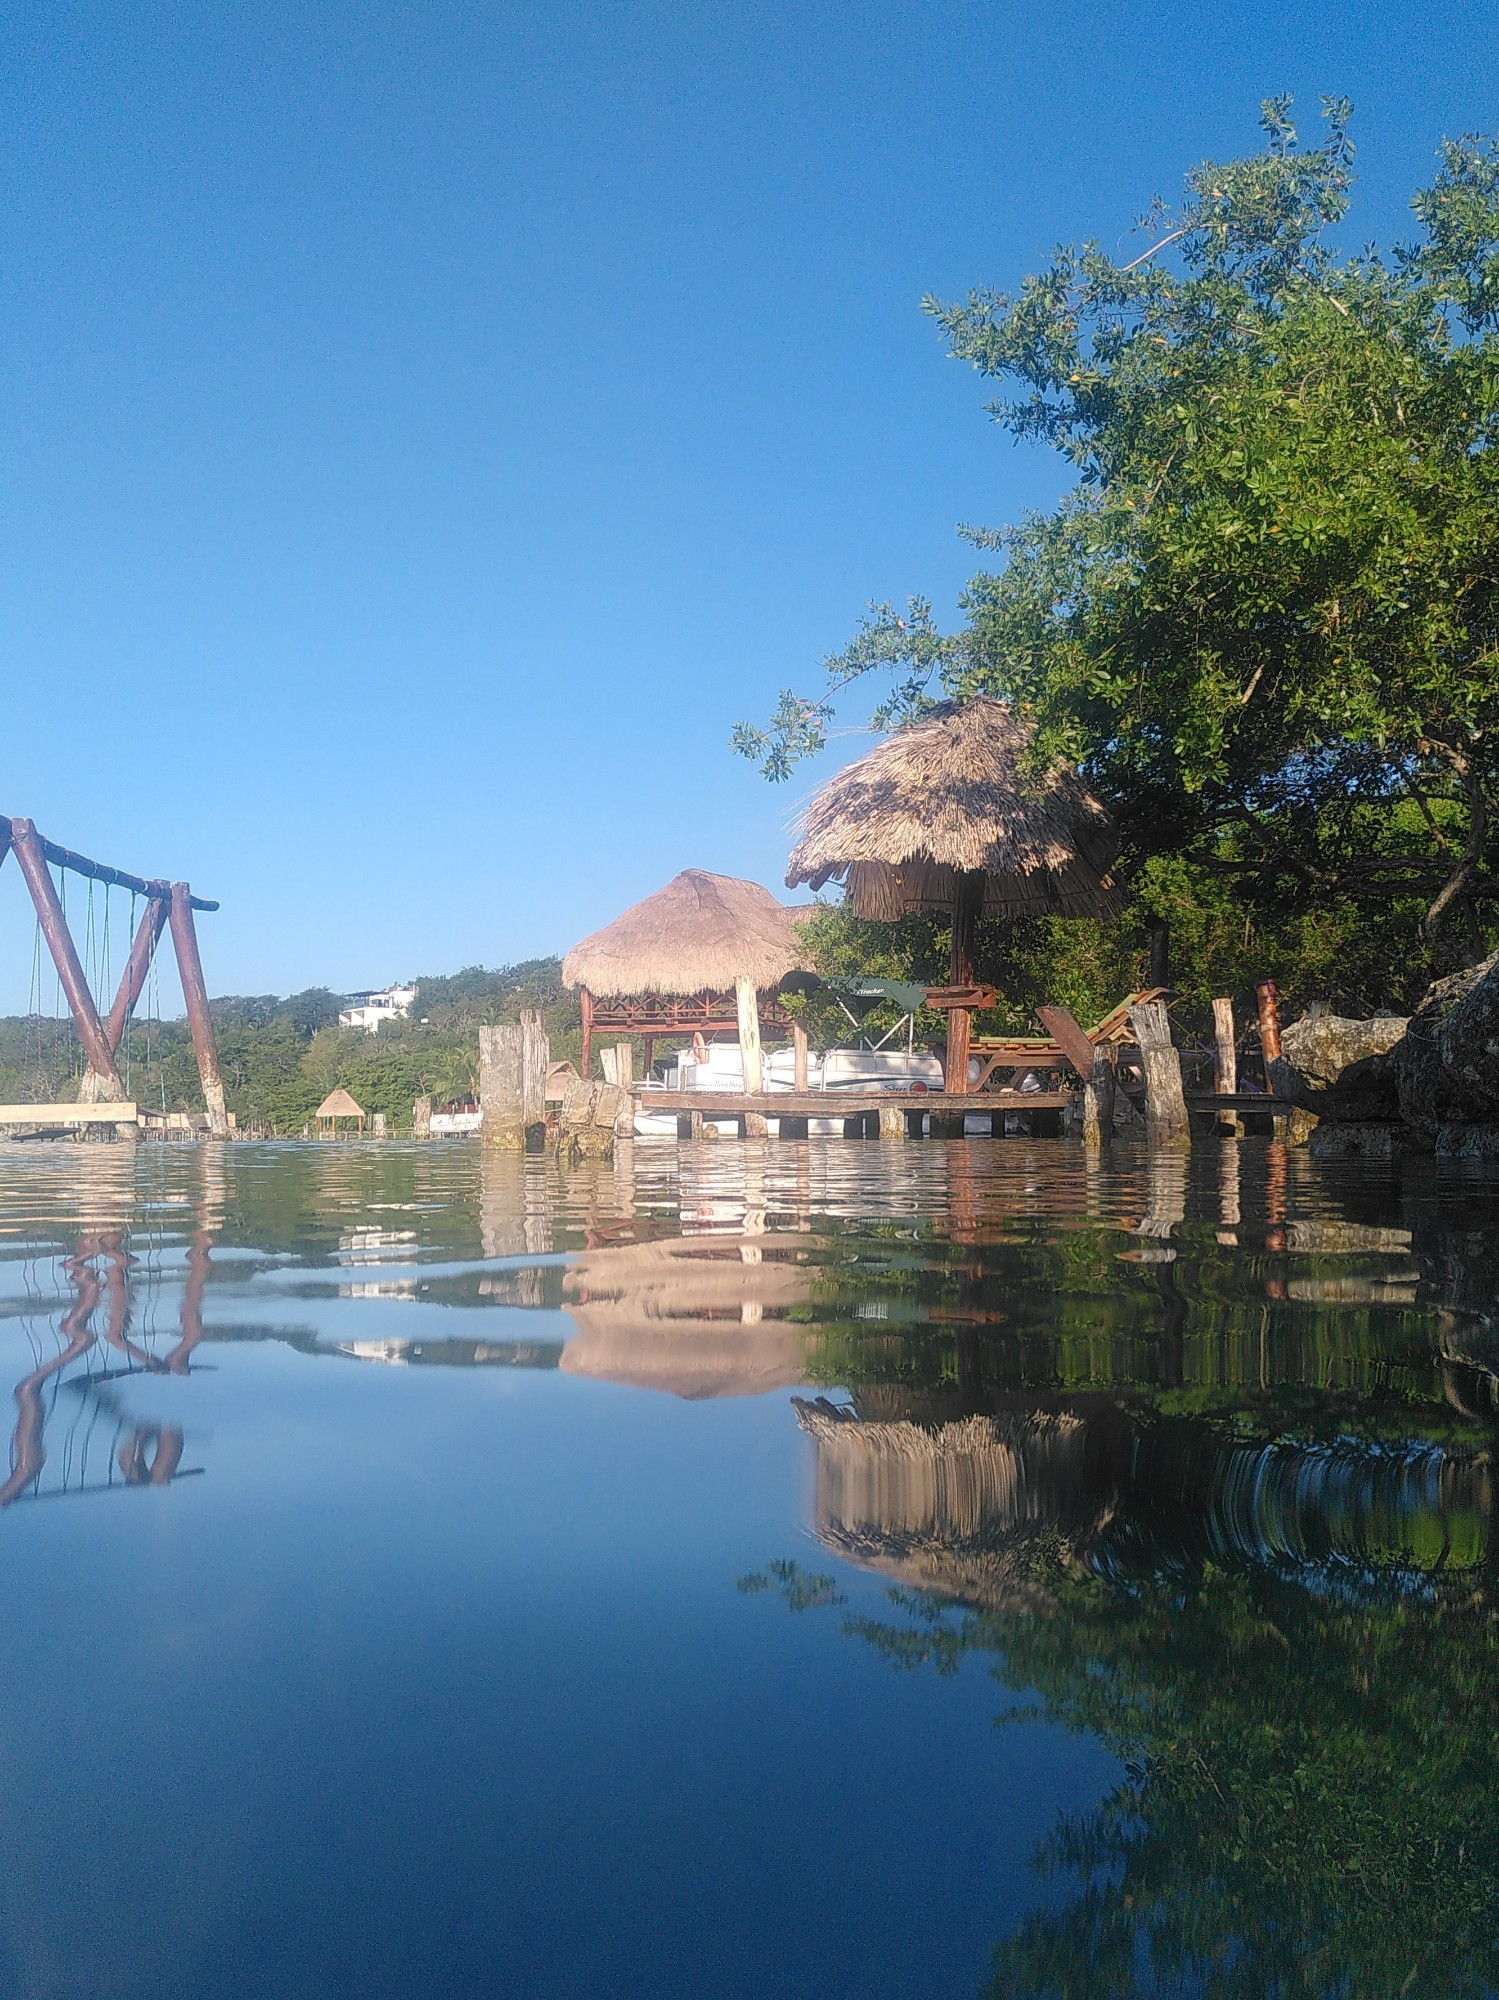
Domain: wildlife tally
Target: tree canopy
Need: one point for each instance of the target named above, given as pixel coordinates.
(1263, 620)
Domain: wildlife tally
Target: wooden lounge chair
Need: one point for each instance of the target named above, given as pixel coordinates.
(1065, 1045)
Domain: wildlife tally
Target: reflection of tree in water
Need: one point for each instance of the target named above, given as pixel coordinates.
(1233, 1520)
(1291, 1645)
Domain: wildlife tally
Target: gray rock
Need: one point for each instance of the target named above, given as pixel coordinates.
(1341, 1069)
(1448, 1063)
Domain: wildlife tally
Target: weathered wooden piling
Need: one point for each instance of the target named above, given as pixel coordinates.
(1226, 1081)
(747, 1003)
(421, 1118)
(512, 1083)
(1166, 1122)
(1268, 1002)
(1098, 1102)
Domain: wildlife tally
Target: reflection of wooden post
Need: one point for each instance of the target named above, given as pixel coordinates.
(1165, 1104)
(195, 994)
(1228, 1062)
(748, 1007)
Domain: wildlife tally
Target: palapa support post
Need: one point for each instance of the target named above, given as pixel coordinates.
(747, 1004)
(1166, 1119)
(1158, 945)
(798, 1057)
(138, 965)
(1226, 1067)
(585, 1002)
(32, 861)
(968, 902)
(195, 995)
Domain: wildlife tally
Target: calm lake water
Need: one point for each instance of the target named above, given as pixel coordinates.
(824, 1569)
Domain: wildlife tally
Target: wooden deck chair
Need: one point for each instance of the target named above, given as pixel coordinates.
(1065, 1045)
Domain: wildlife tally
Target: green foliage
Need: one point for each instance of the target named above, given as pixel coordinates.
(281, 1058)
(1263, 622)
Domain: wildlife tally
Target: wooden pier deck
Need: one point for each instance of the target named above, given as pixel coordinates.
(897, 1105)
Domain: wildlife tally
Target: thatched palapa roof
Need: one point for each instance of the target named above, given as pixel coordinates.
(949, 796)
(697, 935)
(339, 1104)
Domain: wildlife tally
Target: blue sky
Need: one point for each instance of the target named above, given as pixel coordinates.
(426, 430)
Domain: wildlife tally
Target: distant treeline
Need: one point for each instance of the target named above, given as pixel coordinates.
(281, 1057)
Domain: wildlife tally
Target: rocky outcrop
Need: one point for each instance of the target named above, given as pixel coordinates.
(1339, 1069)
(1447, 1065)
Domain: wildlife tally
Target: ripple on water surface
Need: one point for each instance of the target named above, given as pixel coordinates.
(506, 1581)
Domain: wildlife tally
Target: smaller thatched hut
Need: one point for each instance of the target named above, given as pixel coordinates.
(338, 1108)
(670, 963)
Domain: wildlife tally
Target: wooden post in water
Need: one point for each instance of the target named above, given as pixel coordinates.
(535, 1060)
(195, 998)
(421, 1118)
(1227, 1067)
(748, 1006)
(502, 1089)
(1166, 1121)
(1269, 1011)
(1098, 1102)
(892, 1122)
(624, 1076)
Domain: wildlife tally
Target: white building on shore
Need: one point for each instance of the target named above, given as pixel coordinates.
(371, 1011)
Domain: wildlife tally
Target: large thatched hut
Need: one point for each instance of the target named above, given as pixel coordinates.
(691, 959)
(945, 815)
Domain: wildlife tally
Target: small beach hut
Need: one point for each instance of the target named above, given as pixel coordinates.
(338, 1108)
(944, 815)
(692, 959)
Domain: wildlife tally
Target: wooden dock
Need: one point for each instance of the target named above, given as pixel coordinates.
(847, 1103)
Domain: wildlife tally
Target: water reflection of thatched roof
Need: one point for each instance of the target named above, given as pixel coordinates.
(950, 796)
(697, 1316)
(699, 934)
(978, 1510)
(962, 1509)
